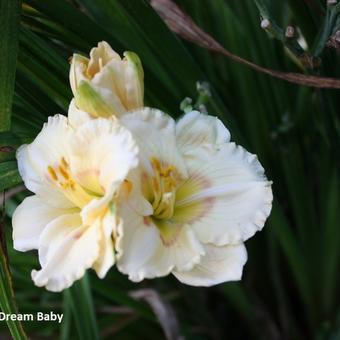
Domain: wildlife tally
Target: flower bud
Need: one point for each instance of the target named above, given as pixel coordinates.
(105, 84)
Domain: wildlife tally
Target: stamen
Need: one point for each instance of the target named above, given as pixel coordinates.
(155, 184)
(64, 172)
(52, 173)
(156, 164)
(64, 163)
(70, 188)
(125, 189)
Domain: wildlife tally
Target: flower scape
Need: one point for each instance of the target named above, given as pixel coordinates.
(116, 182)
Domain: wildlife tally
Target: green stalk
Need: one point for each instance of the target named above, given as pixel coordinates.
(7, 301)
(81, 304)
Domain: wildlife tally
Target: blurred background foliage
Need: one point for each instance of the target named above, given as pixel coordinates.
(290, 287)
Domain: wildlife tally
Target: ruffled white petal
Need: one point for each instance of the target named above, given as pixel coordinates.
(29, 220)
(66, 250)
(51, 144)
(142, 253)
(136, 243)
(103, 152)
(106, 258)
(219, 264)
(156, 118)
(98, 207)
(195, 129)
(48, 148)
(135, 199)
(199, 136)
(154, 132)
(227, 198)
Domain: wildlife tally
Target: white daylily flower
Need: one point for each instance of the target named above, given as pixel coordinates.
(206, 197)
(77, 176)
(105, 84)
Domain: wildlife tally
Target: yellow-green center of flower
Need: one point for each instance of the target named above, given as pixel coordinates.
(160, 190)
(164, 183)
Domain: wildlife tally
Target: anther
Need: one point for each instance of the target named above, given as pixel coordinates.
(52, 173)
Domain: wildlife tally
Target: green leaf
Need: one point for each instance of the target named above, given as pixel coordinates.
(45, 52)
(9, 175)
(286, 239)
(331, 249)
(9, 20)
(67, 318)
(116, 295)
(9, 142)
(7, 302)
(236, 294)
(64, 14)
(83, 312)
(44, 79)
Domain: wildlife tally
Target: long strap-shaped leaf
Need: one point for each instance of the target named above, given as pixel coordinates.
(9, 22)
(80, 301)
(7, 302)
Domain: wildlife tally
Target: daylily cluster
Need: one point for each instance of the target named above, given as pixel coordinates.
(117, 182)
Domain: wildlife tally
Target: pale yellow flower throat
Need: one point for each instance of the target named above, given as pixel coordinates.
(61, 176)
